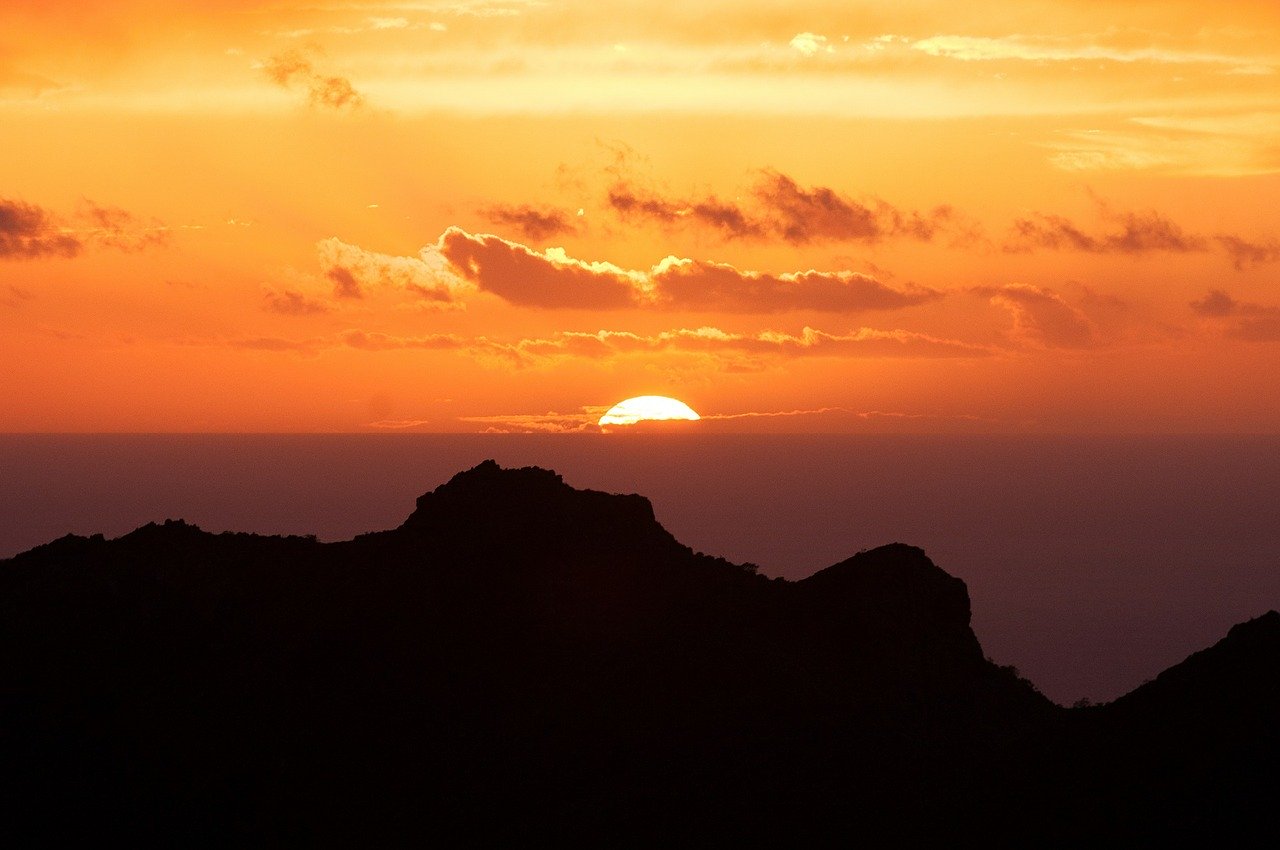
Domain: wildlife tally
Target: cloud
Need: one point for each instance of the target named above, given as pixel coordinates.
(785, 210)
(1261, 327)
(275, 343)
(552, 279)
(729, 218)
(1132, 233)
(1253, 322)
(353, 270)
(586, 419)
(354, 338)
(540, 423)
(822, 214)
(697, 284)
(397, 424)
(290, 302)
(28, 232)
(16, 83)
(371, 341)
(1244, 253)
(113, 227)
(810, 43)
(291, 69)
(1224, 145)
(14, 296)
(1216, 303)
(776, 414)
(1041, 317)
(1076, 49)
(706, 346)
(529, 278)
(532, 223)
(865, 342)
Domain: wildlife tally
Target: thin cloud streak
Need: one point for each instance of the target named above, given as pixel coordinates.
(729, 350)
(1077, 49)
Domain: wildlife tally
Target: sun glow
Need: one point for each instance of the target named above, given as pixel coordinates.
(647, 407)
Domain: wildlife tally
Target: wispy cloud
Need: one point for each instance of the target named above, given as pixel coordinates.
(584, 421)
(1076, 49)
(1041, 317)
(1231, 145)
(290, 302)
(783, 209)
(1134, 233)
(1245, 253)
(292, 69)
(113, 227)
(1129, 233)
(714, 342)
(536, 223)
(710, 345)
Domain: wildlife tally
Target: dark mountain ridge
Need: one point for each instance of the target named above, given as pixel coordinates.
(522, 660)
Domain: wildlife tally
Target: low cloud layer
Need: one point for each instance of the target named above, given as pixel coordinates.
(552, 279)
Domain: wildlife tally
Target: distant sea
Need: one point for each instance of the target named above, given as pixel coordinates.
(1092, 562)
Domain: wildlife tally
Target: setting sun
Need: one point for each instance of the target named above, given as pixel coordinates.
(648, 407)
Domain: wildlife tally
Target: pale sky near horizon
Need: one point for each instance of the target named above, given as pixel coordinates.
(1041, 216)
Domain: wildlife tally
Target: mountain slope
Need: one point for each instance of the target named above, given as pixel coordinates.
(520, 660)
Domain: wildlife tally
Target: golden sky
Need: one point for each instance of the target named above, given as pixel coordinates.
(1045, 216)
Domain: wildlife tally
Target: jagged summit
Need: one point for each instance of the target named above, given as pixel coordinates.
(532, 508)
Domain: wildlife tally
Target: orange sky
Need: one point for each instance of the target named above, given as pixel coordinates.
(504, 214)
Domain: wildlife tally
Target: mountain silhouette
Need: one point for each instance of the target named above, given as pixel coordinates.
(521, 661)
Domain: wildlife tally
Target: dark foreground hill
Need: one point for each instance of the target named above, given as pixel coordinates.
(521, 661)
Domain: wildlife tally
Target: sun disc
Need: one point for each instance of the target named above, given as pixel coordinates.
(647, 407)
